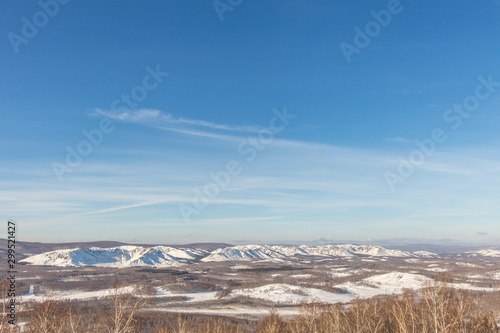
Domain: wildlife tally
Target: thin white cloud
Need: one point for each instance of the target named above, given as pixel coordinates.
(398, 139)
(298, 180)
(158, 119)
(447, 168)
(133, 116)
(152, 116)
(135, 205)
(203, 134)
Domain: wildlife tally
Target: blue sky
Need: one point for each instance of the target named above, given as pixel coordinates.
(205, 92)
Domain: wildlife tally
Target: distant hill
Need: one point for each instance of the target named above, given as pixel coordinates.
(31, 248)
(28, 248)
(116, 254)
(165, 256)
(249, 252)
(205, 246)
(441, 249)
(121, 256)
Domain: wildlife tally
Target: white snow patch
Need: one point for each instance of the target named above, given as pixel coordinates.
(301, 276)
(437, 269)
(233, 310)
(466, 264)
(72, 295)
(492, 252)
(290, 294)
(426, 254)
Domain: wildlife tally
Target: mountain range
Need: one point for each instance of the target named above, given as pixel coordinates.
(166, 256)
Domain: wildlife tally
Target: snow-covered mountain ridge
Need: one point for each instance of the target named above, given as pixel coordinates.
(249, 252)
(165, 256)
(121, 256)
(491, 252)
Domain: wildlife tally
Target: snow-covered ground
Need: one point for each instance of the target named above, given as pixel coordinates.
(84, 277)
(382, 284)
(492, 252)
(466, 264)
(233, 310)
(290, 294)
(71, 295)
(301, 276)
(490, 275)
(326, 273)
(426, 254)
(437, 269)
(283, 294)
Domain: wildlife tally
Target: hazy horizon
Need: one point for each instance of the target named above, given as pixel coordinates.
(314, 242)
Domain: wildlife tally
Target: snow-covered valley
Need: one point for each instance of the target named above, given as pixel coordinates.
(247, 280)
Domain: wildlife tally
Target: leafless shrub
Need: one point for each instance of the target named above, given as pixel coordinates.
(272, 324)
(223, 293)
(51, 317)
(54, 316)
(298, 292)
(126, 303)
(436, 308)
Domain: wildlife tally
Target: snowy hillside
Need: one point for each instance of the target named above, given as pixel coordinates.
(426, 254)
(249, 252)
(347, 250)
(164, 256)
(122, 256)
(485, 253)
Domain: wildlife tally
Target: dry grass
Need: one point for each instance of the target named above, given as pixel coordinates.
(434, 309)
(58, 317)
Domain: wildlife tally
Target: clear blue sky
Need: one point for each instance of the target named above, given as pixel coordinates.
(330, 172)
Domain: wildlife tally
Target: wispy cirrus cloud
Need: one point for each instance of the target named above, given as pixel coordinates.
(303, 183)
(157, 117)
(295, 181)
(203, 134)
(201, 128)
(398, 139)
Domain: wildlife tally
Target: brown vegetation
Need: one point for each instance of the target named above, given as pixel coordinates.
(434, 309)
(54, 316)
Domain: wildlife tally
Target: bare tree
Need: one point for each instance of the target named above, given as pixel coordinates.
(127, 301)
